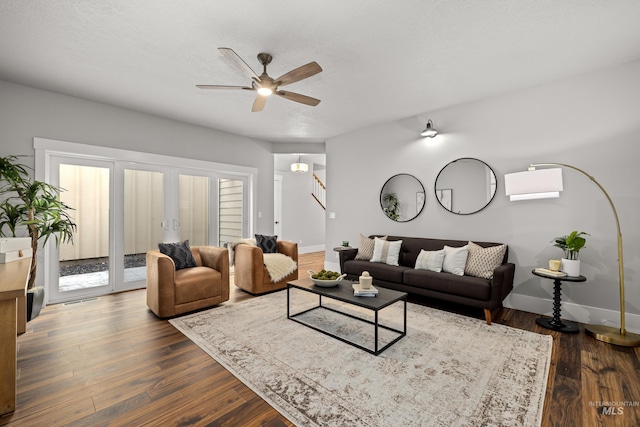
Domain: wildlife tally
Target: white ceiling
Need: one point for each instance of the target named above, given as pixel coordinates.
(382, 60)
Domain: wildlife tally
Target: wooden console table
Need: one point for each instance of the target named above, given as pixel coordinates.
(13, 285)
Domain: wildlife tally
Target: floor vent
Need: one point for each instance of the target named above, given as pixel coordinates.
(81, 300)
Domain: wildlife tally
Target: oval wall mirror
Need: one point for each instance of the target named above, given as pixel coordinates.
(402, 197)
(465, 186)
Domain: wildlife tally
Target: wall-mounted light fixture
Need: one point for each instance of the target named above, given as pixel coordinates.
(537, 184)
(299, 167)
(429, 131)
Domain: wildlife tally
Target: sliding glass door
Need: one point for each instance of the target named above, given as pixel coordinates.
(82, 267)
(143, 196)
(124, 209)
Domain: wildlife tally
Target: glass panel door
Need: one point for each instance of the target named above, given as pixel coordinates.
(194, 212)
(142, 223)
(231, 210)
(83, 267)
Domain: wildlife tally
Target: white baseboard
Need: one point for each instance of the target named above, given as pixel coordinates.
(331, 266)
(575, 312)
(309, 249)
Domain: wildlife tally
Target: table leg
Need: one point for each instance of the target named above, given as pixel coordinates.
(376, 332)
(556, 323)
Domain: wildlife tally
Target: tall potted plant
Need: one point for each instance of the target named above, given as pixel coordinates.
(571, 245)
(35, 208)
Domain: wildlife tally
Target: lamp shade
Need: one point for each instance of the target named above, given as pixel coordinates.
(533, 184)
(299, 167)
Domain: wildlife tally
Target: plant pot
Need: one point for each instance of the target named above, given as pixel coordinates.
(571, 267)
(35, 302)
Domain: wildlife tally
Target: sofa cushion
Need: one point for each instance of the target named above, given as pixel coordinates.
(430, 260)
(387, 252)
(447, 283)
(482, 261)
(180, 253)
(365, 249)
(378, 271)
(268, 244)
(455, 260)
(195, 284)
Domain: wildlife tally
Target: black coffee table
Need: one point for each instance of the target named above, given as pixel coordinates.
(344, 293)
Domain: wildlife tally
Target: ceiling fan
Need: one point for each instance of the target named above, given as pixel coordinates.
(266, 85)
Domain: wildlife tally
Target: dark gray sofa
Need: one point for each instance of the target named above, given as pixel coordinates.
(467, 290)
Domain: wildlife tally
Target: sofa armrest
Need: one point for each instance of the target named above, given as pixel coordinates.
(502, 282)
(215, 257)
(161, 272)
(346, 255)
(289, 249)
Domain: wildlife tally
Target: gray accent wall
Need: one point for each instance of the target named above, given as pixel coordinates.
(591, 121)
(302, 217)
(26, 113)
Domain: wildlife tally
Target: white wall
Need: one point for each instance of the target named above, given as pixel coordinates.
(303, 219)
(26, 113)
(590, 121)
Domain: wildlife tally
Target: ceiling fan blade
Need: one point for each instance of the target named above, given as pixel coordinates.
(258, 104)
(223, 87)
(303, 99)
(234, 59)
(298, 74)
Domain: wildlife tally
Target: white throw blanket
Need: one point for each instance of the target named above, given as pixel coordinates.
(231, 246)
(279, 266)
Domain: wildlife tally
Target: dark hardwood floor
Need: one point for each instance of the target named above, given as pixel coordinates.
(112, 362)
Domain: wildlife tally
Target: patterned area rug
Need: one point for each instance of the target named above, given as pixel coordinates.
(449, 370)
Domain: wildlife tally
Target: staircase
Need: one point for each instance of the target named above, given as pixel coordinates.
(319, 191)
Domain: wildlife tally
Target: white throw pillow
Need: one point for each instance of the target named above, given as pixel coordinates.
(455, 260)
(430, 260)
(387, 252)
(365, 250)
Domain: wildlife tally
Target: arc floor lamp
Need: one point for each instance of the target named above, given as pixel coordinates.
(545, 183)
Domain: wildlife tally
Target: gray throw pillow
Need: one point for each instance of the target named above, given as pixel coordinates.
(268, 244)
(180, 253)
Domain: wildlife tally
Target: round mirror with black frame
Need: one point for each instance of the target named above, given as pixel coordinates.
(465, 186)
(402, 197)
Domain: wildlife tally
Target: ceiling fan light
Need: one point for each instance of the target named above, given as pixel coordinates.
(265, 91)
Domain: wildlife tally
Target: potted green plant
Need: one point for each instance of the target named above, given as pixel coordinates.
(34, 208)
(571, 244)
(392, 206)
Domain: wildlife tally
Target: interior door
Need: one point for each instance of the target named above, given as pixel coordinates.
(277, 205)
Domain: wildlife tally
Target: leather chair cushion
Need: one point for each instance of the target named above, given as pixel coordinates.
(197, 283)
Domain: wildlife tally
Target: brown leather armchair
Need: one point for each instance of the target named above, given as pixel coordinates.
(250, 272)
(171, 292)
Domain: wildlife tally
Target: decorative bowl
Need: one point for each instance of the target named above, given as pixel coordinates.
(325, 283)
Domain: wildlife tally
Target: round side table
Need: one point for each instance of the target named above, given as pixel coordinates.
(556, 323)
